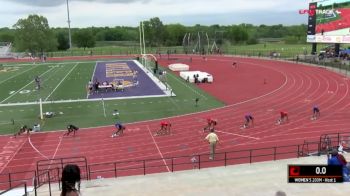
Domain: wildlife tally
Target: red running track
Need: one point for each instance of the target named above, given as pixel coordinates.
(289, 87)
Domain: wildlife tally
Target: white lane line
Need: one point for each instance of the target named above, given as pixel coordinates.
(58, 145)
(13, 156)
(25, 86)
(30, 142)
(61, 82)
(255, 138)
(160, 153)
(54, 155)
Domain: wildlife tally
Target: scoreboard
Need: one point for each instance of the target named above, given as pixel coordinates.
(315, 174)
(328, 21)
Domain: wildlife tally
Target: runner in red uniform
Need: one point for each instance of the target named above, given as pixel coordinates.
(283, 118)
(211, 123)
(164, 128)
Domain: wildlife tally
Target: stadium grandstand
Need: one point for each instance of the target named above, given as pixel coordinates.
(5, 50)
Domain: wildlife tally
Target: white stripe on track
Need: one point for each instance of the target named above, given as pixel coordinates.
(255, 138)
(160, 153)
(30, 142)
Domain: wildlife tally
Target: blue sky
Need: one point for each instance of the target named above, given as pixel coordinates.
(85, 13)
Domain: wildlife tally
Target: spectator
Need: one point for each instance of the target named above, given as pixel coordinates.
(37, 82)
(70, 178)
(280, 193)
(213, 140)
(333, 159)
(194, 162)
(338, 159)
(196, 101)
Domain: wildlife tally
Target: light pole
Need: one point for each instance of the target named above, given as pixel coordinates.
(69, 34)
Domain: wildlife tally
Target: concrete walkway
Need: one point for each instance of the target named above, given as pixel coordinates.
(263, 179)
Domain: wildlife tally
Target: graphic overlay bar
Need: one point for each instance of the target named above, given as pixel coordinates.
(315, 174)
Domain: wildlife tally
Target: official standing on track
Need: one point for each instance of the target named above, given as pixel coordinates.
(213, 140)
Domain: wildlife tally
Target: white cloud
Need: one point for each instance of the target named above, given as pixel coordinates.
(122, 12)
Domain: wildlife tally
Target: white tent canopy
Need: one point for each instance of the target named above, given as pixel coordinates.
(189, 75)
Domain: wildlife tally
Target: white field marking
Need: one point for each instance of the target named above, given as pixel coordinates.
(25, 86)
(30, 142)
(255, 138)
(160, 153)
(104, 108)
(61, 81)
(53, 63)
(18, 74)
(92, 78)
(196, 92)
(5, 123)
(176, 105)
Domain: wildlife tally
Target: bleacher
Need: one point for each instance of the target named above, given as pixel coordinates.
(262, 178)
(5, 50)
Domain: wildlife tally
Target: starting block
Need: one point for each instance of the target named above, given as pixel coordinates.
(114, 135)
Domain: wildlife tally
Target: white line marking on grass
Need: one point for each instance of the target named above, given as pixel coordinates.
(18, 74)
(30, 142)
(104, 108)
(83, 100)
(61, 81)
(5, 123)
(24, 86)
(173, 102)
(160, 153)
(196, 92)
(92, 78)
(255, 138)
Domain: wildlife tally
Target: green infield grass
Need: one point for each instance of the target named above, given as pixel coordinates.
(64, 93)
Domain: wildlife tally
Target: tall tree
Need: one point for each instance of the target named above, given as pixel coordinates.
(6, 35)
(154, 31)
(63, 40)
(84, 38)
(175, 34)
(33, 34)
